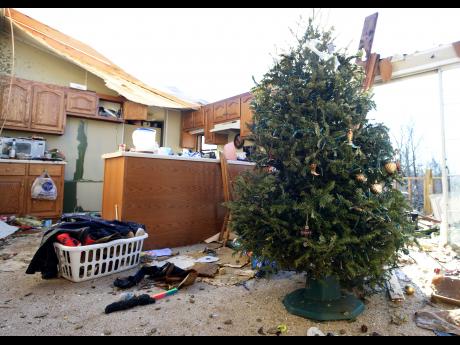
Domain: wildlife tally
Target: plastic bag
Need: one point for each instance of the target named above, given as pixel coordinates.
(44, 188)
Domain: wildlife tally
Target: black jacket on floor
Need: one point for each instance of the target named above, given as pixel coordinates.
(77, 226)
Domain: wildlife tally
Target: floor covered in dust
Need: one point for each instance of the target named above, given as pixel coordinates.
(32, 306)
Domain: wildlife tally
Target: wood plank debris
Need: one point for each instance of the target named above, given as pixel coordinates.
(394, 289)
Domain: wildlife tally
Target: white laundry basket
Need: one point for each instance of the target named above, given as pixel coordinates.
(82, 263)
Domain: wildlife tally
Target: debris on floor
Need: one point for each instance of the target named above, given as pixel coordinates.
(315, 332)
(7, 230)
(440, 320)
(446, 289)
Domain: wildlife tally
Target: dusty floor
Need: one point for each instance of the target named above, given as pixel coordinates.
(32, 306)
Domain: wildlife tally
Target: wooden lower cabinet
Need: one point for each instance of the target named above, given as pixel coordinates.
(12, 195)
(15, 189)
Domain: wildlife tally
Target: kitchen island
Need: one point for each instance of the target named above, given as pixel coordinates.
(178, 199)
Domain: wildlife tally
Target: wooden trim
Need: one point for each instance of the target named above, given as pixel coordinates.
(116, 99)
(371, 69)
(97, 118)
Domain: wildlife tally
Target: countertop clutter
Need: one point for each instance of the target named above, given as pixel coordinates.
(180, 158)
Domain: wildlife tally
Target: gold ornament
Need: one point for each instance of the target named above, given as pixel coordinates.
(377, 188)
(313, 169)
(409, 290)
(350, 136)
(391, 167)
(361, 178)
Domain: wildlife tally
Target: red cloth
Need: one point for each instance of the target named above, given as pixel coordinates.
(68, 241)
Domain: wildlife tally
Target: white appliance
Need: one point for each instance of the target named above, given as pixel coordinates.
(144, 140)
(29, 148)
(226, 127)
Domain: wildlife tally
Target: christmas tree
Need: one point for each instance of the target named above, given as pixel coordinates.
(321, 199)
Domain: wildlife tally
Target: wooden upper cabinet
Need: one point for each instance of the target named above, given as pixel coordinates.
(198, 118)
(17, 110)
(246, 115)
(187, 120)
(220, 112)
(48, 109)
(209, 137)
(134, 111)
(233, 108)
(82, 102)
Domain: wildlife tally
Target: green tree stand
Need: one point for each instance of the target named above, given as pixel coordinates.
(322, 300)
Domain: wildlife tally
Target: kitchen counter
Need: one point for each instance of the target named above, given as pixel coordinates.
(180, 158)
(27, 161)
(178, 199)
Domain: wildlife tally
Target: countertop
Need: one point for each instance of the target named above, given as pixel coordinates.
(26, 161)
(180, 158)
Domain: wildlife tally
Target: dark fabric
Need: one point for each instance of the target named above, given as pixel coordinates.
(131, 303)
(79, 227)
(168, 272)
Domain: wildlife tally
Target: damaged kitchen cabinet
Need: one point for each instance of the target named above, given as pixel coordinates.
(211, 138)
(17, 112)
(33, 106)
(135, 111)
(16, 181)
(246, 114)
(82, 103)
(48, 109)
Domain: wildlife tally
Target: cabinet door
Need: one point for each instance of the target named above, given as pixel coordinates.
(81, 102)
(48, 109)
(246, 115)
(12, 195)
(233, 109)
(45, 208)
(134, 111)
(187, 120)
(220, 112)
(198, 118)
(209, 137)
(188, 140)
(17, 110)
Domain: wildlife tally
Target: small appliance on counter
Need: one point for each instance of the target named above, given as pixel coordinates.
(23, 148)
(144, 140)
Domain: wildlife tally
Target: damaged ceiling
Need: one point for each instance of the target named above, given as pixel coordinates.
(92, 61)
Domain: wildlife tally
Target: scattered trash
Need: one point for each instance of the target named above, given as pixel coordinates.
(129, 303)
(375, 334)
(364, 328)
(159, 252)
(330, 334)
(207, 259)
(282, 328)
(342, 332)
(7, 230)
(7, 256)
(314, 332)
(228, 322)
(40, 316)
(261, 331)
(398, 319)
(441, 320)
(209, 270)
(409, 290)
(169, 274)
(446, 289)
